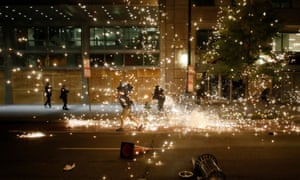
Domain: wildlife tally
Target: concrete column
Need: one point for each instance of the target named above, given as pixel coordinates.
(85, 54)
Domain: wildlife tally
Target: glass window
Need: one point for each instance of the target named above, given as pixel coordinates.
(133, 60)
(151, 60)
(141, 60)
(202, 38)
(287, 42)
(132, 37)
(110, 59)
(48, 36)
(73, 37)
(97, 60)
(113, 37)
(203, 2)
(100, 60)
(1, 60)
(125, 37)
(1, 38)
(40, 61)
(150, 38)
(97, 37)
(282, 3)
(47, 61)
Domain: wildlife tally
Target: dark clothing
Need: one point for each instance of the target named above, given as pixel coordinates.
(64, 96)
(265, 95)
(48, 92)
(125, 101)
(123, 95)
(125, 88)
(199, 95)
(160, 96)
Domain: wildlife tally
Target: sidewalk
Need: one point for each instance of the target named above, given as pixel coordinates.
(35, 113)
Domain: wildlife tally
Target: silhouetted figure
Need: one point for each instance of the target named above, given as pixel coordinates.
(159, 95)
(265, 95)
(125, 101)
(199, 95)
(48, 93)
(64, 96)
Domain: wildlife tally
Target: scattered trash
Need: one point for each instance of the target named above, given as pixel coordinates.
(272, 133)
(69, 167)
(31, 135)
(185, 174)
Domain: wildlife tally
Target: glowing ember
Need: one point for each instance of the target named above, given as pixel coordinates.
(186, 118)
(32, 135)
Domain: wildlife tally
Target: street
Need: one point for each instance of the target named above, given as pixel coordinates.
(95, 153)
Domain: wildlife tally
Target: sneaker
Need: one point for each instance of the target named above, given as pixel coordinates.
(120, 129)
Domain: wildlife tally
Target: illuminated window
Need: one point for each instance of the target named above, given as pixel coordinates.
(289, 42)
(142, 38)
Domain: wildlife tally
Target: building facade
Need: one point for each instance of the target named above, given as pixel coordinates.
(92, 46)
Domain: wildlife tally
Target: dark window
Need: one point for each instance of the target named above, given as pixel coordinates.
(61, 37)
(282, 3)
(1, 37)
(295, 59)
(106, 60)
(47, 61)
(203, 2)
(1, 61)
(109, 60)
(234, 3)
(202, 38)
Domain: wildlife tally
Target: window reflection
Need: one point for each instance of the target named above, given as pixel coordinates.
(124, 37)
(287, 42)
(47, 61)
(129, 59)
(48, 37)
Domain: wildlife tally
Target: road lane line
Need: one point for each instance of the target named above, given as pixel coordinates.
(101, 148)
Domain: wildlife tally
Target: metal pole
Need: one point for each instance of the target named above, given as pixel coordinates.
(189, 31)
(189, 44)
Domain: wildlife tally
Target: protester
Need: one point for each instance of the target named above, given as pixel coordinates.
(265, 95)
(125, 101)
(64, 96)
(199, 95)
(48, 94)
(159, 95)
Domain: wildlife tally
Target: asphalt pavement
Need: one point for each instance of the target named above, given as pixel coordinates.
(35, 113)
(258, 152)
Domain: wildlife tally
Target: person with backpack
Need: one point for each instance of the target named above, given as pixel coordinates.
(126, 102)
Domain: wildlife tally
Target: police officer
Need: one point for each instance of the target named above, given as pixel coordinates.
(48, 94)
(159, 95)
(64, 96)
